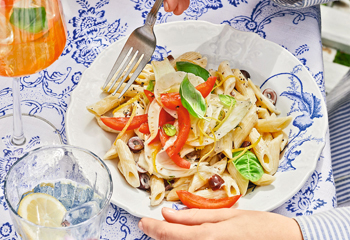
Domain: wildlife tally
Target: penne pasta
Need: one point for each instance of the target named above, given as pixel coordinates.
(263, 98)
(243, 87)
(157, 190)
(261, 150)
(244, 128)
(127, 163)
(234, 111)
(284, 139)
(274, 148)
(208, 193)
(104, 105)
(231, 187)
(228, 77)
(265, 180)
(112, 152)
(273, 124)
(242, 183)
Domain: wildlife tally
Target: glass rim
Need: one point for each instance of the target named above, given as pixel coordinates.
(106, 201)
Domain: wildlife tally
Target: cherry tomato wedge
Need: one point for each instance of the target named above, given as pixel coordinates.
(118, 123)
(173, 100)
(194, 201)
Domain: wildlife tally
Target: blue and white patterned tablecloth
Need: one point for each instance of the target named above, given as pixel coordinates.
(94, 24)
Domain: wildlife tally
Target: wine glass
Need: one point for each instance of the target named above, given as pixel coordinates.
(32, 37)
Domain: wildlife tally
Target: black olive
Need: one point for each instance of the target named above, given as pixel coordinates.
(170, 58)
(246, 144)
(245, 74)
(144, 181)
(168, 184)
(135, 144)
(192, 155)
(216, 182)
(271, 95)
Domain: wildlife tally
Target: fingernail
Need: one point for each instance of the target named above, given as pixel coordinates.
(169, 210)
(140, 225)
(166, 6)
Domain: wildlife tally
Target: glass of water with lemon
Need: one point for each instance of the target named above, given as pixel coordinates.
(58, 192)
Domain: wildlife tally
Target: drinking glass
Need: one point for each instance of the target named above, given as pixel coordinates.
(32, 37)
(76, 177)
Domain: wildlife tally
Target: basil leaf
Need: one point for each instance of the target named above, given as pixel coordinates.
(32, 20)
(169, 129)
(248, 166)
(227, 100)
(192, 99)
(193, 68)
(150, 86)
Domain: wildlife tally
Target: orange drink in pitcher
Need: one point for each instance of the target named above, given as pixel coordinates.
(32, 36)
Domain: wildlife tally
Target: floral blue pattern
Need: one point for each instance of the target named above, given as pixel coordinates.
(305, 202)
(309, 107)
(93, 25)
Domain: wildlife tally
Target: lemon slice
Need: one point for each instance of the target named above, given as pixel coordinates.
(42, 209)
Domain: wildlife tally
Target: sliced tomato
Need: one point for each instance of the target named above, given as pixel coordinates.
(179, 161)
(184, 129)
(144, 128)
(164, 117)
(194, 201)
(118, 123)
(206, 87)
(173, 100)
(149, 95)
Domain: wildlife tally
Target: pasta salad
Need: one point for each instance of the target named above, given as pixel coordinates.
(187, 133)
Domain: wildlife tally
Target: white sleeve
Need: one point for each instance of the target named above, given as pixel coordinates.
(299, 3)
(331, 224)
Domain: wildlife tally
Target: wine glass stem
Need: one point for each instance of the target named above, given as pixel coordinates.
(18, 134)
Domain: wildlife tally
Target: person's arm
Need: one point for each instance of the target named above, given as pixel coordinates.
(300, 3)
(176, 6)
(226, 223)
(331, 224)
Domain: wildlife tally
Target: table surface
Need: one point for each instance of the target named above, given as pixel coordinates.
(93, 25)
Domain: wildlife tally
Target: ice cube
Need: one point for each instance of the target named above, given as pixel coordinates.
(44, 188)
(6, 33)
(65, 193)
(83, 195)
(80, 213)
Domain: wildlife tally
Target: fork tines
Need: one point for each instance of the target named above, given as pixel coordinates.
(126, 63)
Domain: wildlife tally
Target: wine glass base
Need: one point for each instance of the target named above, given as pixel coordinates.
(37, 132)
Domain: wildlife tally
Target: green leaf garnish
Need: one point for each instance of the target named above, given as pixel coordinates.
(227, 100)
(32, 19)
(169, 129)
(150, 86)
(192, 99)
(193, 68)
(248, 166)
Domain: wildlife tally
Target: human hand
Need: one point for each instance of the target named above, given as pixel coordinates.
(176, 6)
(221, 224)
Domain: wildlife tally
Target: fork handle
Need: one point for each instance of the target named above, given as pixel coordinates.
(152, 15)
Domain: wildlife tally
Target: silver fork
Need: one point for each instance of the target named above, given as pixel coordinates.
(138, 49)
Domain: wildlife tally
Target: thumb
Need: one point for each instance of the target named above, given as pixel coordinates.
(161, 230)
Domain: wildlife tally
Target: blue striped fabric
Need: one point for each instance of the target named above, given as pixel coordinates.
(339, 129)
(333, 224)
(299, 3)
